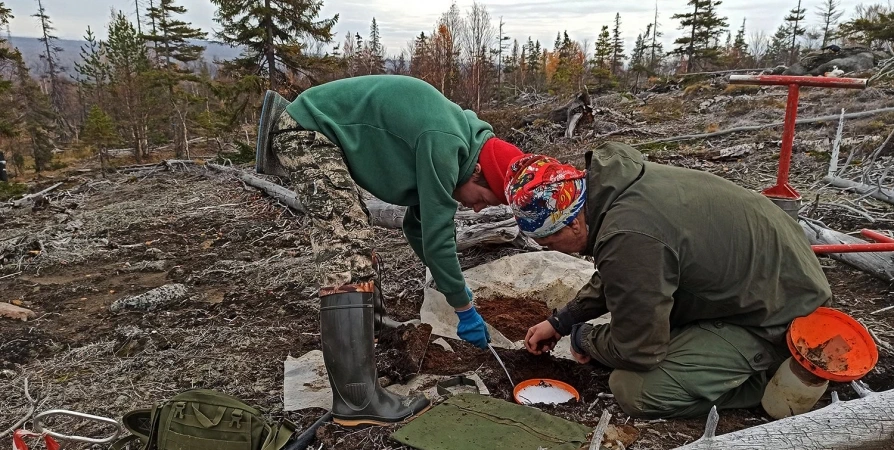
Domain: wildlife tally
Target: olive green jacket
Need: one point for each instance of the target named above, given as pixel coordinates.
(673, 246)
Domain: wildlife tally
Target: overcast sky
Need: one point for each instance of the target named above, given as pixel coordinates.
(400, 20)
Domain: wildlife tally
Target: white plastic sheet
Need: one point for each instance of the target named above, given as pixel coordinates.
(552, 277)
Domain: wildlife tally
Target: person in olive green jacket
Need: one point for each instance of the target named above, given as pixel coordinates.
(405, 143)
(702, 278)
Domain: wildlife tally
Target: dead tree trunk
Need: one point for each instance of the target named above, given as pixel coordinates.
(494, 225)
(866, 423)
(877, 264)
(875, 192)
(579, 106)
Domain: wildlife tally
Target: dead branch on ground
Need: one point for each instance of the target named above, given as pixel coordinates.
(690, 137)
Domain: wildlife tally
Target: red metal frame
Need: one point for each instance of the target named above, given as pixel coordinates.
(783, 189)
(884, 244)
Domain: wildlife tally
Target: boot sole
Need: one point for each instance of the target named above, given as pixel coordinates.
(269, 114)
(358, 422)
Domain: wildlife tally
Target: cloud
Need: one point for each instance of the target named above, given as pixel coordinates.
(400, 21)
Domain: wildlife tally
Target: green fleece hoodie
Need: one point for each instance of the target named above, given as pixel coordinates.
(675, 246)
(407, 144)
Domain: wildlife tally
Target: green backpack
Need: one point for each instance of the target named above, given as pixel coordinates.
(202, 419)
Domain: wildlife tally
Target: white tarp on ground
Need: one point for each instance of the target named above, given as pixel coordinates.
(552, 277)
(306, 383)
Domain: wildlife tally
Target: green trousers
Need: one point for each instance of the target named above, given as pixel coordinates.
(708, 363)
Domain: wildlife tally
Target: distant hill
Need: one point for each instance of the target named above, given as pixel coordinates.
(31, 50)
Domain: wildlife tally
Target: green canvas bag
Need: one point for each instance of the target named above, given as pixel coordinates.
(202, 419)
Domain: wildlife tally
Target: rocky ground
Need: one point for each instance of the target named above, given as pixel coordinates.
(248, 290)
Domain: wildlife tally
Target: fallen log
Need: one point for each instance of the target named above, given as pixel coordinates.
(875, 192)
(580, 104)
(495, 225)
(877, 264)
(689, 137)
(283, 195)
(865, 423)
(30, 198)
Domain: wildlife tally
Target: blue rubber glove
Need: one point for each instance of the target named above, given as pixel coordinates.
(472, 329)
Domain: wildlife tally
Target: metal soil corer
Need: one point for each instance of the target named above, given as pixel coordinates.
(492, 350)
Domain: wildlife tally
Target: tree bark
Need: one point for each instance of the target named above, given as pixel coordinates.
(876, 192)
(866, 423)
(877, 264)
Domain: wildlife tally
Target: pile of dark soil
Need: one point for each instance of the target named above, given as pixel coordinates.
(513, 316)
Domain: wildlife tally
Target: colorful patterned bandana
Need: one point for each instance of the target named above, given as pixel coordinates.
(544, 194)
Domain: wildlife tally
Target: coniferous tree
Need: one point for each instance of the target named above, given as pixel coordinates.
(739, 48)
(128, 82)
(829, 15)
(704, 27)
(656, 49)
(603, 51)
(794, 17)
(38, 119)
(50, 56)
(172, 42)
(269, 32)
(602, 54)
(617, 46)
(638, 56)
(93, 70)
(778, 51)
(99, 132)
(374, 50)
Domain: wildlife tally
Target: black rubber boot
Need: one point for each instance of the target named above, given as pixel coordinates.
(346, 332)
(265, 161)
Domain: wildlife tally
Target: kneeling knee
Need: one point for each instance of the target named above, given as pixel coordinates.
(638, 396)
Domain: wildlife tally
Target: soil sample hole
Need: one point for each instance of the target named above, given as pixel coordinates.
(513, 316)
(401, 351)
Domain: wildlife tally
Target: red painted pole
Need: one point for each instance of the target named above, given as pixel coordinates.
(876, 236)
(782, 188)
(787, 80)
(853, 248)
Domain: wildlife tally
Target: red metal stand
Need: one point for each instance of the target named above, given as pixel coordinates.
(782, 189)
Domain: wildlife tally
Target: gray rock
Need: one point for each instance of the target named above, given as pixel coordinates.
(148, 266)
(854, 63)
(151, 300)
(795, 69)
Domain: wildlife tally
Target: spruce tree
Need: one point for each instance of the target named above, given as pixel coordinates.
(777, 51)
(93, 70)
(375, 51)
(617, 46)
(174, 49)
(128, 81)
(38, 119)
(794, 17)
(604, 49)
(50, 56)
(269, 31)
(99, 132)
(704, 28)
(829, 15)
(656, 48)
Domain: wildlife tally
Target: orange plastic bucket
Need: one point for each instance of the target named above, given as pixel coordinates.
(832, 345)
(544, 390)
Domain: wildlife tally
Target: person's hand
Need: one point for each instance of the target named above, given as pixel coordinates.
(471, 328)
(583, 359)
(541, 338)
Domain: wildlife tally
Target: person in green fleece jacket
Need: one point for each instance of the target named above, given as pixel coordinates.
(702, 278)
(402, 141)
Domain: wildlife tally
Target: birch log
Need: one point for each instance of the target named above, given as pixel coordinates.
(877, 264)
(866, 423)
